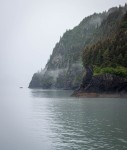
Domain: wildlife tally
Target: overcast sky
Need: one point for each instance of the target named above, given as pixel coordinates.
(29, 30)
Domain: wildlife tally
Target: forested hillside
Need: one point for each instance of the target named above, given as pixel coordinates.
(65, 67)
(109, 55)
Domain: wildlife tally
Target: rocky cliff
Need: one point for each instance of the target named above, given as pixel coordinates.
(65, 68)
(106, 66)
(105, 84)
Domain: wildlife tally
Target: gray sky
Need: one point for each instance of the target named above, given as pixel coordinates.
(29, 30)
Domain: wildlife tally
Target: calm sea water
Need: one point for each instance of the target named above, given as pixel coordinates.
(52, 120)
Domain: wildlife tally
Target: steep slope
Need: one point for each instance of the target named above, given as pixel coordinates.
(64, 68)
(109, 55)
(107, 60)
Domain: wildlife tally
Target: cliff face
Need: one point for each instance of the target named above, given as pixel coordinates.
(101, 84)
(108, 59)
(65, 68)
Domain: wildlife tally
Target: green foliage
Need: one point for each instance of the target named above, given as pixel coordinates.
(88, 32)
(119, 70)
(108, 54)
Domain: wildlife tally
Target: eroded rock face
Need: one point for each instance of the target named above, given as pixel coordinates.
(106, 83)
(87, 78)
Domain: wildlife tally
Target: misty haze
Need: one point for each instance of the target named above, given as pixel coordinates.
(63, 75)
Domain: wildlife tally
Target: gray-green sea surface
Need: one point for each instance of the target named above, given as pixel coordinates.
(36, 119)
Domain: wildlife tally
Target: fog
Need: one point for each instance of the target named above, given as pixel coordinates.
(29, 30)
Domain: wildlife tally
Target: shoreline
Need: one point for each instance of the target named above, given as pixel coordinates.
(99, 95)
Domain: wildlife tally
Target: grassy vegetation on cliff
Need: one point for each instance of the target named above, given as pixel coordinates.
(119, 70)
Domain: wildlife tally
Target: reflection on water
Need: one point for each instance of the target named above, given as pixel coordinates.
(71, 123)
(51, 93)
(57, 121)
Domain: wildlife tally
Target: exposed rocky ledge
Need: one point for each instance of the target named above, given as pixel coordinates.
(106, 85)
